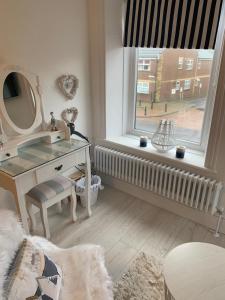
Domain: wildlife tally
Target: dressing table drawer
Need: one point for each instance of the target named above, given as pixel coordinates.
(55, 137)
(6, 154)
(59, 166)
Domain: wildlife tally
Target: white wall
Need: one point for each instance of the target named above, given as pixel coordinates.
(50, 38)
(114, 68)
(105, 22)
(97, 59)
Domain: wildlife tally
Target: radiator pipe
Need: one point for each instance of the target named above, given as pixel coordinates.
(220, 219)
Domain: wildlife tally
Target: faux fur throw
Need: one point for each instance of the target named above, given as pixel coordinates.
(84, 273)
(11, 236)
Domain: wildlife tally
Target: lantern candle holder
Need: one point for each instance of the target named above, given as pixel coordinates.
(163, 139)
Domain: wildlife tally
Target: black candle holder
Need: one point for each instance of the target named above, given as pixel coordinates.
(180, 152)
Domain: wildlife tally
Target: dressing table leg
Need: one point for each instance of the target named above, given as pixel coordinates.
(21, 200)
(88, 181)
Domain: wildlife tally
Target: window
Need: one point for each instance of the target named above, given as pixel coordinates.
(187, 84)
(165, 93)
(144, 65)
(189, 64)
(142, 87)
(180, 62)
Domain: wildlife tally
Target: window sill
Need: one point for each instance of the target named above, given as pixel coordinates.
(193, 160)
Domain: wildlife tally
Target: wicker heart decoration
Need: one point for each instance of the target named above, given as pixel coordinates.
(68, 85)
(69, 115)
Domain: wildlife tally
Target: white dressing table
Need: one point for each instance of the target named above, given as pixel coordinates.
(39, 162)
(30, 153)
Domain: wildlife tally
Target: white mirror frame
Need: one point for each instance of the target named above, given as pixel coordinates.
(34, 82)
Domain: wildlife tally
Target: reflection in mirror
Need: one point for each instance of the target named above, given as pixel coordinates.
(19, 100)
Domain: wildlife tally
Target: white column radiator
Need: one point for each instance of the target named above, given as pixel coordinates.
(178, 185)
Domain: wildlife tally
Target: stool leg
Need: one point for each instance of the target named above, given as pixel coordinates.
(44, 218)
(31, 215)
(59, 206)
(73, 205)
(65, 201)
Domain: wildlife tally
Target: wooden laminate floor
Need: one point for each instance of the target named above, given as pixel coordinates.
(124, 226)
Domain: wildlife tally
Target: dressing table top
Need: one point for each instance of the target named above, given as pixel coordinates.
(35, 155)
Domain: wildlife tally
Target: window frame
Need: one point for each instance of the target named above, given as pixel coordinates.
(130, 113)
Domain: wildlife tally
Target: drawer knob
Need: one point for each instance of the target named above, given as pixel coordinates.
(7, 154)
(58, 137)
(58, 168)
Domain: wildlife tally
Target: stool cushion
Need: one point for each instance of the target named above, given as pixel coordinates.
(49, 189)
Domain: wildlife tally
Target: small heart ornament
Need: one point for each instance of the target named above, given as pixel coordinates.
(69, 115)
(68, 85)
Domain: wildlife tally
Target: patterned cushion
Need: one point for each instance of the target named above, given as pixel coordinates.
(29, 266)
(49, 189)
(49, 287)
(50, 282)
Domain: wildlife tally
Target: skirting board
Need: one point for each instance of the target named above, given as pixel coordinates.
(164, 203)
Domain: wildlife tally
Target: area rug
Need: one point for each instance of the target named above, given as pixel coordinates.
(143, 280)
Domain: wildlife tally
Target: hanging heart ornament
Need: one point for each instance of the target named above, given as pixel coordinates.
(69, 115)
(68, 85)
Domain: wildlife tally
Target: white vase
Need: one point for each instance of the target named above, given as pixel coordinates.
(163, 139)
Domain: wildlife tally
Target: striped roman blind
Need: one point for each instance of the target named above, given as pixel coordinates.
(191, 24)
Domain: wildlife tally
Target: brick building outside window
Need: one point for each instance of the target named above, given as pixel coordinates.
(172, 83)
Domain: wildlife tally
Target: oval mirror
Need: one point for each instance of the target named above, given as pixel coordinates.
(19, 100)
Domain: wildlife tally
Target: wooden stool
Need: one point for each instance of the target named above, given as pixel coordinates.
(47, 194)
